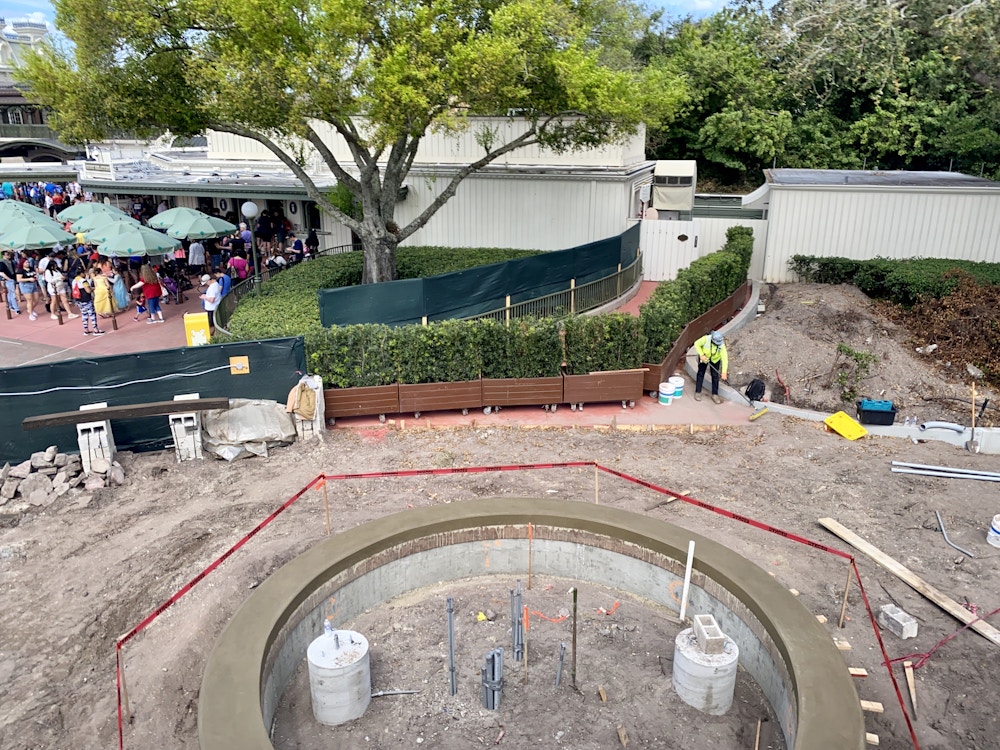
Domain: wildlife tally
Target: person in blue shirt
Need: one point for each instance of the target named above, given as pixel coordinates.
(225, 283)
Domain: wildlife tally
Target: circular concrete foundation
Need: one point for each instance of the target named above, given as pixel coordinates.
(786, 651)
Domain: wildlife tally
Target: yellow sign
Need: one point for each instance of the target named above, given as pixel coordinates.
(196, 329)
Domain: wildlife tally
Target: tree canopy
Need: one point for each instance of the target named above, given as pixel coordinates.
(381, 73)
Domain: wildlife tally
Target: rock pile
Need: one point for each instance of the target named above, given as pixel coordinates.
(48, 475)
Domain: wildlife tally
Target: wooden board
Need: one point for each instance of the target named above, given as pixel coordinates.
(857, 671)
(872, 707)
(871, 739)
(129, 411)
(906, 575)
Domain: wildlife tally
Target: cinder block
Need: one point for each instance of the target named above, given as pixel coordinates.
(711, 639)
(892, 618)
(186, 430)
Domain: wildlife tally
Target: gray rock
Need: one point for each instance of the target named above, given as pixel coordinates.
(9, 488)
(61, 459)
(94, 482)
(39, 461)
(4, 472)
(50, 453)
(99, 466)
(38, 498)
(49, 471)
(11, 515)
(77, 480)
(35, 483)
(84, 502)
(61, 477)
(60, 489)
(21, 471)
(117, 475)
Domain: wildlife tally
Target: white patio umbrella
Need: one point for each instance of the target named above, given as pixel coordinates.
(110, 230)
(99, 219)
(12, 207)
(140, 241)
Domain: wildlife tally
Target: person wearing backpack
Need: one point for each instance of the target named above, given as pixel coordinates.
(83, 294)
(712, 353)
(8, 275)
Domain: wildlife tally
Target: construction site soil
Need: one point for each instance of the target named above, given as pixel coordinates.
(80, 572)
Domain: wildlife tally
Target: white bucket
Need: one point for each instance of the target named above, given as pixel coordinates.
(993, 532)
(666, 393)
(678, 385)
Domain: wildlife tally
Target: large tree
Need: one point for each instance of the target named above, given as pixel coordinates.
(381, 73)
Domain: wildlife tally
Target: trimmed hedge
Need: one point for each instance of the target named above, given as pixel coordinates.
(455, 350)
(904, 281)
(705, 283)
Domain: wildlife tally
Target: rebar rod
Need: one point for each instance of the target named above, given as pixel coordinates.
(949, 469)
(945, 535)
(559, 668)
(451, 645)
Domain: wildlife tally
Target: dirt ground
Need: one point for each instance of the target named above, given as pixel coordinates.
(82, 571)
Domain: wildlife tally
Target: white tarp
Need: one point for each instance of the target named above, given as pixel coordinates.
(247, 428)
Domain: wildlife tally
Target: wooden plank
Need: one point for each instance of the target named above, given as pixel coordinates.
(361, 401)
(911, 686)
(522, 391)
(906, 575)
(415, 397)
(871, 739)
(857, 671)
(872, 707)
(841, 644)
(129, 411)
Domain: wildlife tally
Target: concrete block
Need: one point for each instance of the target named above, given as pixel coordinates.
(711, 639)
(96, 441)
(186, 429)
(896, 621)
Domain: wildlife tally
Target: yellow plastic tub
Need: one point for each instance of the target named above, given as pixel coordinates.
(844, 425)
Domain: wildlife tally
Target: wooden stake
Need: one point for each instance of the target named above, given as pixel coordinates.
(326, 505)
(908, 669)
(530, 540)
(525, 621)
(126, 708)
(843, 606)
(756, 741)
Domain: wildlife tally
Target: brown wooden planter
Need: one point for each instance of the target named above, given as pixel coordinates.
(652, 378)
(617, 385)
(419, 397)
(359, 402)
(522, 391)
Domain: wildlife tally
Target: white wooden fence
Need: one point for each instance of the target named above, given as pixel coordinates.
(669, 246)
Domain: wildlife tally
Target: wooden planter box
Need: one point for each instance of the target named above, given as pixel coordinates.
(652, 378)
(419, 397)
(618, 385)
(522, 391)
(359, 402)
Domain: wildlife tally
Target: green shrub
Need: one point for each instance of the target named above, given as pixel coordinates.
(528, 348)
(824, 270)
(351, 356)
(602, 342)
(442, 352)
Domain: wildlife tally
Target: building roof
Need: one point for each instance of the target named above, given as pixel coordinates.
(872, 178)
(676, 168)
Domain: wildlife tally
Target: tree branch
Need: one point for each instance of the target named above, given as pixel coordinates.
(331, 160)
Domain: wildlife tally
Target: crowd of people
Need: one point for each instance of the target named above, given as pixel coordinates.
(79, 282)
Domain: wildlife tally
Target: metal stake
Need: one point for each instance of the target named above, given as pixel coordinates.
(687, 579)
(531, 537)
(562, 655)
(572, 673)
(326, 505)
(451, 645)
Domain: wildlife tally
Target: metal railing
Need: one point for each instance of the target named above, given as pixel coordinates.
(576, 299)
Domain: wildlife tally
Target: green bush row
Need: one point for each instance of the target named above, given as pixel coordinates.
(903, 281)
(288, 305)
(455, 350)
(702, 285)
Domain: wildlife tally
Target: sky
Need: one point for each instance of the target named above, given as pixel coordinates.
(42, 10)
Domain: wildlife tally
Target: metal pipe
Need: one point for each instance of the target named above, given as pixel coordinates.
(941, 426)
(559, 668)
(945, 475)
(945, 535)
(687, 579)
(950, 469)
(451, 645)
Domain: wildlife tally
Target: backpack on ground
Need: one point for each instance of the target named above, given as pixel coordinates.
(755, 390)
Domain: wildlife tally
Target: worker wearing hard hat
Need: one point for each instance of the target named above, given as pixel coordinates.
(712, 353)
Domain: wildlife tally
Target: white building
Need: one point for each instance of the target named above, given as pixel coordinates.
(866, 214)
(531, 198)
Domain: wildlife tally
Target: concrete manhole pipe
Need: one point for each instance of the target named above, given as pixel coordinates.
(783, 647)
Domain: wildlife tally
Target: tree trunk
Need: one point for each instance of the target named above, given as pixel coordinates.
(380, 257)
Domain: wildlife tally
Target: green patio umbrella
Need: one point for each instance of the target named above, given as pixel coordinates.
(78, 210)
(99, 219)
(200, 227)
(167, 219)
(17, 220)
(12, 207)
(140, 241)
(35, 237)
(110, 230)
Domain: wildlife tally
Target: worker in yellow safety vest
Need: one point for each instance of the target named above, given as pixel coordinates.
(712, 353)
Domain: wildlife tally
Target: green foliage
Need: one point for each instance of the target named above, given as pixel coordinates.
(850, 367)
(528, 348)
(349, 356)
(903, 281)
(602, 342)
(441, 352)
(702, 285)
